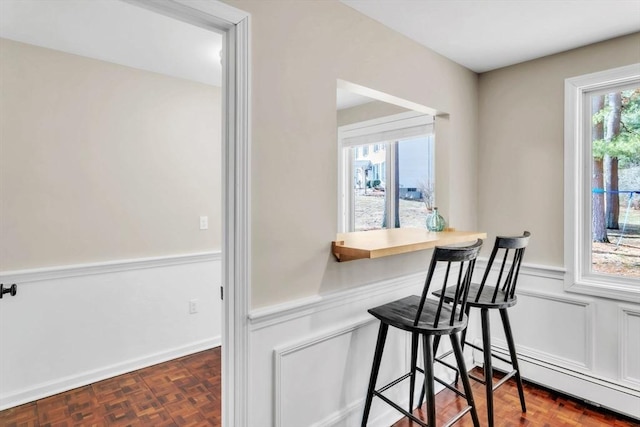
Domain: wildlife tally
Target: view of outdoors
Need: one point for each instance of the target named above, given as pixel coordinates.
(413, 181)
(616, 183)
(370, 212)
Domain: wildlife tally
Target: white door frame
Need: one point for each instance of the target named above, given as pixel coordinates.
(236, 189)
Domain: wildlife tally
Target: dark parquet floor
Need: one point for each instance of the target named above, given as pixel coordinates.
(181, 392)
(186, 392)
(545, 408)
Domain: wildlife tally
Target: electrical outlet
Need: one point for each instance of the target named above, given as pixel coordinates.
(204, 222)
(193, 306)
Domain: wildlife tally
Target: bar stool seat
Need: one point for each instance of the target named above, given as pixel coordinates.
(401, 314)
(428, 318)
(499, 297)
(483, 297)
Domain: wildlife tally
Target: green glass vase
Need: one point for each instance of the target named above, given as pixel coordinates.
(435, 221)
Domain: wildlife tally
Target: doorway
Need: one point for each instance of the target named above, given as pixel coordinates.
(233, 26)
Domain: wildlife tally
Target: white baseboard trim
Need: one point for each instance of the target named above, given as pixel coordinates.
(583, 386)
(84, 378)
(76, 270)
(565, 369)
(352, 415)
(351, 410)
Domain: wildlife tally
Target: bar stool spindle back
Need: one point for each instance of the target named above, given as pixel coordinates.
(499, 296)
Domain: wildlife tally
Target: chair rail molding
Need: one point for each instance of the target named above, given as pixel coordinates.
(272, 315)
(106, 267)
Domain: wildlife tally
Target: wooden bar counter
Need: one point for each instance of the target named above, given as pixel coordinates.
(393, 241)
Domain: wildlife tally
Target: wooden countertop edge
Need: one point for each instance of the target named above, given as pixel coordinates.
(346, 253)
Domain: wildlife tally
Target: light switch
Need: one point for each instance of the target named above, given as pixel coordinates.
(204, 222)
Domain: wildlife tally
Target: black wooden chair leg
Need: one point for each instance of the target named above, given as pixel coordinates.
(414, 363)
(463, 340)
(457, 350)
(436, 344)
(429, 387)
(488, 368)
(463, 337)
(377, 358)
(514, 357)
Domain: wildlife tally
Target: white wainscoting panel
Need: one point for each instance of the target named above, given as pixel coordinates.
(556, 328)
(335, 365)
(69, 327)
(630, 345)
(313, 357)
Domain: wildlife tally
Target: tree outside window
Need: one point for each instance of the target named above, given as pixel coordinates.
(615, 183)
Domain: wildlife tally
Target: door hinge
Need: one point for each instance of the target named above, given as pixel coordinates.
(221, 292)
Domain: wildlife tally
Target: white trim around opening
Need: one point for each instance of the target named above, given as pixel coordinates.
(234, 24)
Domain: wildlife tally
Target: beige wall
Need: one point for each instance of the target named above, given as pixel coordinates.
(299, 50)
(100, 161)
(521, 143)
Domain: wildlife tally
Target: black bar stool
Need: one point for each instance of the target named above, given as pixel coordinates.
(495, 297)
(427, 318)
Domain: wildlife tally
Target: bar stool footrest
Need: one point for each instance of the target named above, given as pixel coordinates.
(394, 382)
(447, 364)
(416, 419)
(478, 379)
(458, 416)
(479, 348)
(504, 379)
(450, 387)
(400, 409)
(397, 407)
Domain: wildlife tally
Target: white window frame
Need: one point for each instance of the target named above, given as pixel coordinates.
(374, 132)
(577, 185)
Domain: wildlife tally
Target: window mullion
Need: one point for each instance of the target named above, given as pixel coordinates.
(390, 185)
(349, 190)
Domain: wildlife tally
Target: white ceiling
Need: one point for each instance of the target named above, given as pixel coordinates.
(483, 35)
(118, 32)
(479, 34)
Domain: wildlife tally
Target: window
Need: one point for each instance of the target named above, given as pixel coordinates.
(393, 185)
(602, 183)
